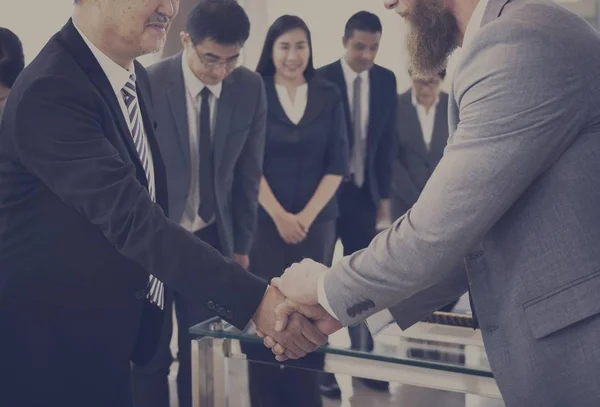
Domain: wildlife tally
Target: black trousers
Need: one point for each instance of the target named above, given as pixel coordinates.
(277, 386)
(356, 227)
(150, 383)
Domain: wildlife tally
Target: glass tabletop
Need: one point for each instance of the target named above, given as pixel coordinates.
(428, 346)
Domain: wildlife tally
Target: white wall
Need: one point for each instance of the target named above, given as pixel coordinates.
(35, 21)
(326, 20)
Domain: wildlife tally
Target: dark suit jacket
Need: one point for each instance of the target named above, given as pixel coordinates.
(79, 235)
(239, 141)
(297, 156)
(414, 163)
(381, 127)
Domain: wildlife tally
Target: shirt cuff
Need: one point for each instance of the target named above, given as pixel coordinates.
(251, 327)
(322, 297)
(378, 322)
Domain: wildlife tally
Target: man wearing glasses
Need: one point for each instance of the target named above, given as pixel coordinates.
(211, 132)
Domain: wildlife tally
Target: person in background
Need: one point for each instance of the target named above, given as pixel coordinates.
(211, 133)
(369, 94)
(306, 157)
(85, 243)
(12, 62)
(422, 126)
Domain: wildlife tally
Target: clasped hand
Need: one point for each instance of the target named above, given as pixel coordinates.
(300, 324)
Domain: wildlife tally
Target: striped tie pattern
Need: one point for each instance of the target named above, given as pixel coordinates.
(155, 287)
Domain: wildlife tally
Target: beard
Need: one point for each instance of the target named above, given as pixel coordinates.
(432, 38)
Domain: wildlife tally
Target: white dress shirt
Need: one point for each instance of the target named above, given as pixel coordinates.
(379, 321)
(190, 220)
(349, 77)
(294, 109)
(117, 77)
(426, 119)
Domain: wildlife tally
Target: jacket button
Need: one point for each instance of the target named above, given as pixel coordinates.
(210, 305)
(351, 311)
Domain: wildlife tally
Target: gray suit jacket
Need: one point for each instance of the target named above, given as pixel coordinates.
(414, 162)
(517, 193)
(239, 140)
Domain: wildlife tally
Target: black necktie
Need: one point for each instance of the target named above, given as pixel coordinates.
(207, 190)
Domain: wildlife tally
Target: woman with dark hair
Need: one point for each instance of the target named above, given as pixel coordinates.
(306, 158)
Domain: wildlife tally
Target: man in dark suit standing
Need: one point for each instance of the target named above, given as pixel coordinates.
(85, 246)
(369, 92)
(422, 123)
(211, 133)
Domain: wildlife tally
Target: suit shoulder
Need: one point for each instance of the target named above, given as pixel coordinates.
(384, 72)
(326, 70)
(160, 68)
(327, 86)
(405, 96)
(246, 75)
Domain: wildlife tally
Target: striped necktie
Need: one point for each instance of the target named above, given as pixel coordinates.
(155, 287)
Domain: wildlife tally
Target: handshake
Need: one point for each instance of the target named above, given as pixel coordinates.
(289, 318)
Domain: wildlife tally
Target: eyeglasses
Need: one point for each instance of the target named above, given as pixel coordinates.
(213, 65)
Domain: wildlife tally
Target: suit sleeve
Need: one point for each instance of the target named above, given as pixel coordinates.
(67, 149)
(386, 151)
(248, 172)
(512, 129)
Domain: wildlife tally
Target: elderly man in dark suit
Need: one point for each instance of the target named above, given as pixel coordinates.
(422, 124)
(85, 246)
(211, 133)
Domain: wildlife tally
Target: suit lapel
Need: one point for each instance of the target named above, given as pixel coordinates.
(314, 104)
(340, 81)
(160, 180)
(177, 103)
(440, 135)
(374, 125)
(88, 62)
(415, 133)
(225, 116)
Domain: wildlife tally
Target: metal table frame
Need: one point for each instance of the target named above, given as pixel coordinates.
(212, 351)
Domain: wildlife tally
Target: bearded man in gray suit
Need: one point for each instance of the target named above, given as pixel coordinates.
(515, 198)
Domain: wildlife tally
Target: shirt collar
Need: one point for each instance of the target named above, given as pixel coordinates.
(195, 85)
(350, 75)
(416, 103)
(474, 23)
(116, 74)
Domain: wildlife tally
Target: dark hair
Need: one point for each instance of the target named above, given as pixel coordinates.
(362, 21)
(441, 74)
(223, 21)
(12, 60)
(282, 25)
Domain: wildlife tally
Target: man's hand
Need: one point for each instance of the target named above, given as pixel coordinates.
(242, 259)
(326, 323)
(300, 336)
(289, 227)
(300, 281)
(383, 212)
